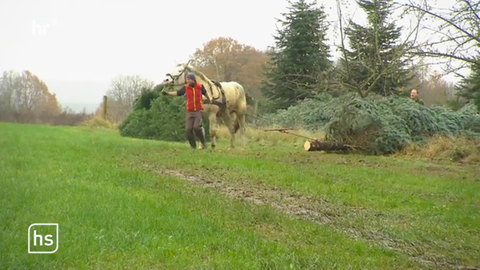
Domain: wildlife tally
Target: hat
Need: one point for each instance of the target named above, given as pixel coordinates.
(191, 76)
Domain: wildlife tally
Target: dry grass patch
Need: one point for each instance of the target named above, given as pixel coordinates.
(445, 148)
(98, 121)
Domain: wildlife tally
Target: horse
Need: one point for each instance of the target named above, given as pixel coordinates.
(226, 101)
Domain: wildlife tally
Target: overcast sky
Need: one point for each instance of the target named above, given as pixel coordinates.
(86, 43)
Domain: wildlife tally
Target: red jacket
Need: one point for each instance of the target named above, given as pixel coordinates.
(194, 97)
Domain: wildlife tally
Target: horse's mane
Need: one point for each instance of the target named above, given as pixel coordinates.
(202, 76)
(197, 72)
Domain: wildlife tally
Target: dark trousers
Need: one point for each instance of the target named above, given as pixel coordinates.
(192, 125)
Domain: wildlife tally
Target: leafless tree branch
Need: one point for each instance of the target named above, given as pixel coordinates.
(459, 27)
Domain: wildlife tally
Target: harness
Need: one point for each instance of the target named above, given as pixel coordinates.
(221, 104)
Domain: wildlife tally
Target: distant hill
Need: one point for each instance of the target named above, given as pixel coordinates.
(78, 107)
(78, 95)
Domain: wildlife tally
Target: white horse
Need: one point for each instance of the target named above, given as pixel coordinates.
(229, 101)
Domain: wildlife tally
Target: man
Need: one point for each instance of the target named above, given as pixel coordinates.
(193, 92)
(414, 96)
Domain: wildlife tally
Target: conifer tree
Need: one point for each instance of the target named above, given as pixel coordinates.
(299, 56)
(469, 87)
(375, 59)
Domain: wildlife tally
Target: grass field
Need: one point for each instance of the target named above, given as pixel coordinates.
(124, 203)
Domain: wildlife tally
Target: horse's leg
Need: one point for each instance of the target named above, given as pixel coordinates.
(227, 120)
(241, 125)
(213, 129)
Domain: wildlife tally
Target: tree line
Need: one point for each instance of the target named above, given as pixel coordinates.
(26, 98)
(374, 60)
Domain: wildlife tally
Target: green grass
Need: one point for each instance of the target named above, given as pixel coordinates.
(116, 209)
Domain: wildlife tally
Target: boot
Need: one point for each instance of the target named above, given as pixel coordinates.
(201, 136)
(191, 140)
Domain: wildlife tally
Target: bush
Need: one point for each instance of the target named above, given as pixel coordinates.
(98, 121)
(162, 121)
(156, 117)
(144, 101)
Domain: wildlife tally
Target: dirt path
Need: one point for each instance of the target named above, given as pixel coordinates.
(341, 218)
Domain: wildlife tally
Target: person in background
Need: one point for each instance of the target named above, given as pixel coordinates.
(414, 96)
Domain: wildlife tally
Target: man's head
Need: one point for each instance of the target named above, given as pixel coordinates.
(191, 79)
(414, 94)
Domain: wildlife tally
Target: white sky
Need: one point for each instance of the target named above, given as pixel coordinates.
(89, 42)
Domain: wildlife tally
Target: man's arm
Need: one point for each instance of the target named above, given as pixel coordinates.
(180, 92)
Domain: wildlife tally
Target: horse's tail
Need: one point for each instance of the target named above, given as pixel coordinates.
(250, 100)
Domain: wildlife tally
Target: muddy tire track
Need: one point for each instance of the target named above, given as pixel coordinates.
(341, 218)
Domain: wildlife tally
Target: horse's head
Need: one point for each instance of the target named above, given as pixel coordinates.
(177, 78)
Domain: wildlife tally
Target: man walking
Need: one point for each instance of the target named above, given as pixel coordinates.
(193, 92)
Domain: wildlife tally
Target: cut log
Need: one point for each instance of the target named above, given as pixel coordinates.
(317, 145)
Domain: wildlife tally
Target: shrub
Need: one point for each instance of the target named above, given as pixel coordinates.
(98, 121)
(156, 117)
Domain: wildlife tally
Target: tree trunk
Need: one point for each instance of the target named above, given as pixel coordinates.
(317, 145)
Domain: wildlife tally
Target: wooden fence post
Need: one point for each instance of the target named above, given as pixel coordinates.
(105, 107)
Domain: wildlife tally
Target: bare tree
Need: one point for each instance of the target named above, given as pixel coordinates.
(26, 96)
(7, 90)
(226, 59)
(455, 35)
(31, 96)
(24, 92)
(122, 94)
